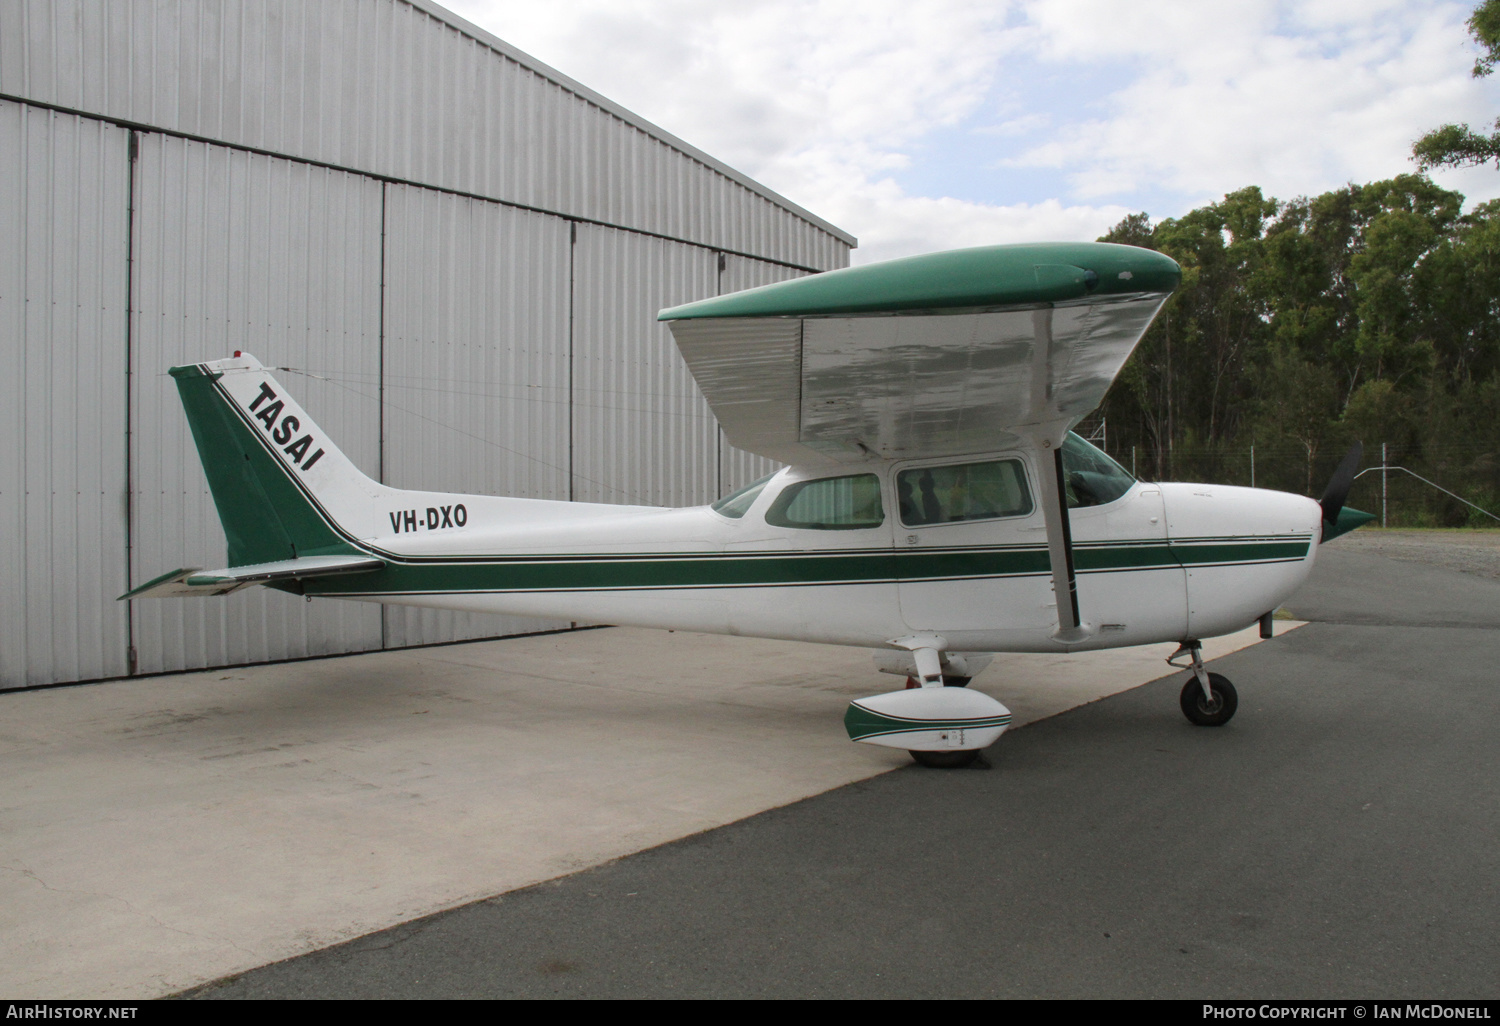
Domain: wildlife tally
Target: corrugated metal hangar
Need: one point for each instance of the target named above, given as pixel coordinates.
(456, 253)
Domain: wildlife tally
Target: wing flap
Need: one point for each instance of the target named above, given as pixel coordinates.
(752, 368)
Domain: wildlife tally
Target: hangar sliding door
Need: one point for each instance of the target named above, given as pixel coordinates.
(240, 251)
(476, 367)
(64, 183)
(642, 431)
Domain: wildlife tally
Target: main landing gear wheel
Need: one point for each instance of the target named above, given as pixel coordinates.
(946, 760)
(1198, 709)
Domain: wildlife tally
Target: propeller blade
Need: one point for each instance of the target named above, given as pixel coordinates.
(1339, 485)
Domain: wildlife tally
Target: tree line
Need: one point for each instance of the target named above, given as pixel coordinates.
(1367, 313)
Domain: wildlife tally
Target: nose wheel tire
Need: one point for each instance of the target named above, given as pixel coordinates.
(1199, 710)
(946, 760)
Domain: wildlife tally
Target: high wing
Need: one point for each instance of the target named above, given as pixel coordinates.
(946, 353)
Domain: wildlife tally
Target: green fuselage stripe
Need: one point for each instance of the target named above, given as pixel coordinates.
(653, 571)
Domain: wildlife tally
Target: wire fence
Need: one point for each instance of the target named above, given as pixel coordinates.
(1452, 486)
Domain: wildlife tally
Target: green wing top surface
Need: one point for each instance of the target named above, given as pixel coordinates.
(961, 279)
(934, 355)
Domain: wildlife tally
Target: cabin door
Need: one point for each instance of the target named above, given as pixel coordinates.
(971, 548)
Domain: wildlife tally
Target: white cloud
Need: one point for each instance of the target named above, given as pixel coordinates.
(834, 103)
(899, 224)
(753, 78)
(1297, 108)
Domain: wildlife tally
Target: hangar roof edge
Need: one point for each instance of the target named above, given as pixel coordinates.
(499, 45)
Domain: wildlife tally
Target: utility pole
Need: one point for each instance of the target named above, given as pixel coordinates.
(1252, 466)
(1383, 465)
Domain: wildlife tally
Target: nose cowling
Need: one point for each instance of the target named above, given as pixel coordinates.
(1244, 551)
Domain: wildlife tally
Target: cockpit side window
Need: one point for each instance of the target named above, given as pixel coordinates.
(1092, 478)
(963, 491)
(737, 504)
(829, 504)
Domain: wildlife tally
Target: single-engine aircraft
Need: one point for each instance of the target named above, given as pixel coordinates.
(935, 505)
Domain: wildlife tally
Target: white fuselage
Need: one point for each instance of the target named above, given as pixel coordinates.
(1163, 562)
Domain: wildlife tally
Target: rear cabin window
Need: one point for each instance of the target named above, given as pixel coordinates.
(963, 491)
(829, 504)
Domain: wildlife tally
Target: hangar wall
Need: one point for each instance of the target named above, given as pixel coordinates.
(457, 253)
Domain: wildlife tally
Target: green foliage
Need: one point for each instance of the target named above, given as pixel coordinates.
(1378, 409)
(1484, 26)
(1455, 146)
(1371, 312)
(1459, 145)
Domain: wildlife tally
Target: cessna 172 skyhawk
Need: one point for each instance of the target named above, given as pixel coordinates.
(935, 505)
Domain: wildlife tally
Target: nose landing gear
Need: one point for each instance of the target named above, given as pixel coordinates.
(1213, 709)
(1208, 699)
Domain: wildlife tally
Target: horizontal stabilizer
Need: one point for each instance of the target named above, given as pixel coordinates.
(197, 581)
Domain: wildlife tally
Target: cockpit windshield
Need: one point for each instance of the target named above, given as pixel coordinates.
(1092, 478)
(736, 504)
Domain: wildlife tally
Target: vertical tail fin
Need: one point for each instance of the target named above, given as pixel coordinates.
(283, 489)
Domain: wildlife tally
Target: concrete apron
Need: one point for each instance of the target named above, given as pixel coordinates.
(159, 833)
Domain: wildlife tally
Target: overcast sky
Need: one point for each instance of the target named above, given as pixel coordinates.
(946, 123)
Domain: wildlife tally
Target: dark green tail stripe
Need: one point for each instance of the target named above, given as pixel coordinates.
(266, 517)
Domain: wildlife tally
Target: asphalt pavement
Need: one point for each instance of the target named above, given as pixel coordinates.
(1337, 839)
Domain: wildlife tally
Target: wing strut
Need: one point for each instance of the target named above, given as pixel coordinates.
(1071, 628)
